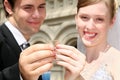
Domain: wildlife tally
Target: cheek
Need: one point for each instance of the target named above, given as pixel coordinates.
(80, 26)
(103, 27)
(21, 20)
(80, 30)
(43, 13)
(21, 15)
(103, 31)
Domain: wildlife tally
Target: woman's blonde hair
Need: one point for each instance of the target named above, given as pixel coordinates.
(111, 4)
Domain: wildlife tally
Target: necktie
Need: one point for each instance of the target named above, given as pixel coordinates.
(25, 45)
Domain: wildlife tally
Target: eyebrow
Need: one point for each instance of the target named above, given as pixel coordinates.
(43, 4)
(82, 13)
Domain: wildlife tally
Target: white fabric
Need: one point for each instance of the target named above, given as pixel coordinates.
(102, 74)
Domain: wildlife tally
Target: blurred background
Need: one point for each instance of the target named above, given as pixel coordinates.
(59, 25)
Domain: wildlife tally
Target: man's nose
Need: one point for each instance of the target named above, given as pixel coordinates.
(36, 14)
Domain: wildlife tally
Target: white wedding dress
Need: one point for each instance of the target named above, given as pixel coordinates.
(102, 74)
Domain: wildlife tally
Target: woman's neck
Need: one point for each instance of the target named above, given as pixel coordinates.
(93, 53)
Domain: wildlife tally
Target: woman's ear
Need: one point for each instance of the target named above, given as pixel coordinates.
(76, 20)
(8, 7)
(113, 21)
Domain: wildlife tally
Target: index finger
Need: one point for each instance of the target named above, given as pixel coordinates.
(67, 47)
(38, 47)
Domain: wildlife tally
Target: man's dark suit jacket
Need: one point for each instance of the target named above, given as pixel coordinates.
(9, 55)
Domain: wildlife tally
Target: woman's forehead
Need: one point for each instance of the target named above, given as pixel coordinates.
(100, 8)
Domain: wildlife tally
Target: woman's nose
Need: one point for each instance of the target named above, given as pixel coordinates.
(90, 24)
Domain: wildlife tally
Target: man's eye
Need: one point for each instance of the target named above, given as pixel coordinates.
(42, 6)
(27, 8)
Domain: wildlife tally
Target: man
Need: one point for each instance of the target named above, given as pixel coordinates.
(24, 18)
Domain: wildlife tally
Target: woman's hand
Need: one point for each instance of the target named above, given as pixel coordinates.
(36, 60)
(70, 58)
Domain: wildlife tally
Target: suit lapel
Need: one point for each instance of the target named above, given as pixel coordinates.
(9, 38)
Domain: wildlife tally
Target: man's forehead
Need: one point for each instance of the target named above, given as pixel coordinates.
(30, 2)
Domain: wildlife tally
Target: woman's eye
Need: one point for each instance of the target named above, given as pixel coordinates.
(84, 18)
(99, 20)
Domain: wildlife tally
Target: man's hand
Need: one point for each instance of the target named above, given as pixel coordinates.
(35, 60)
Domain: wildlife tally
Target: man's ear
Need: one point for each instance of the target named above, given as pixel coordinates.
(8, 7)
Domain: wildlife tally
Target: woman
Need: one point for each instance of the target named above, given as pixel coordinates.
(101, 61)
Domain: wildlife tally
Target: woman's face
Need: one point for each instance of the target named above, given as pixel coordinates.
(93, 22)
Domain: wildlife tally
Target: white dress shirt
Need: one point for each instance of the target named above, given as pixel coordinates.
(16, 33)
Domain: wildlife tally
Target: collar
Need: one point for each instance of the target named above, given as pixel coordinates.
(16, 33)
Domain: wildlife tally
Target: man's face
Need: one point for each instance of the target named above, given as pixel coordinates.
(28, 15)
